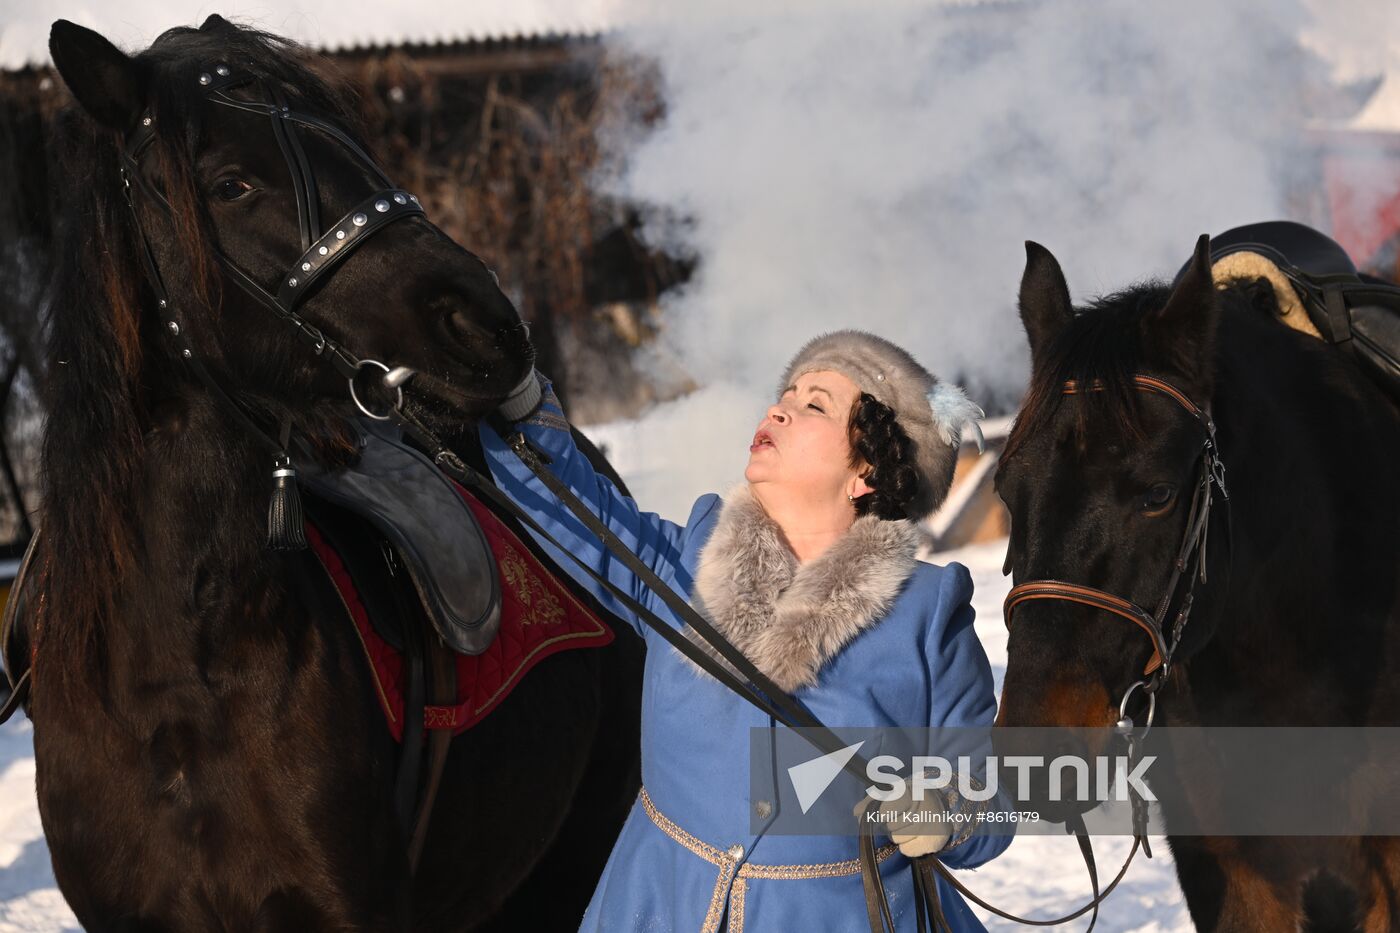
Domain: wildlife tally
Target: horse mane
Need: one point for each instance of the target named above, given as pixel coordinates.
(1101, 345)
(100, 328)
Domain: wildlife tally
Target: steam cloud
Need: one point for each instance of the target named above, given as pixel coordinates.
(879, 165)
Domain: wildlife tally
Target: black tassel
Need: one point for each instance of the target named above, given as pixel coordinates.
(286, 530)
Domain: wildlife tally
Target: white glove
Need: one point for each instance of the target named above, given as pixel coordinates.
(917, 827)
(918, 839)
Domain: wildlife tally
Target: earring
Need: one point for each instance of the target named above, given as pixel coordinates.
(850, 497)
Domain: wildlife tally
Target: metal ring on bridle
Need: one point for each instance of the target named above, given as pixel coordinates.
(398, 399)
(1151, 704)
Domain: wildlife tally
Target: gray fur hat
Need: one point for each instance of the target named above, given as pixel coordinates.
(933, 413)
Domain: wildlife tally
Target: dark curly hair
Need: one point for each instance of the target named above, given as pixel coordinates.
(878, 440)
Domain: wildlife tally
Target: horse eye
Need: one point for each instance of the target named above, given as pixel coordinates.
(231, 189)
(1158, 497)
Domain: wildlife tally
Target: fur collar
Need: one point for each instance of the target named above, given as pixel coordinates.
(789, 618)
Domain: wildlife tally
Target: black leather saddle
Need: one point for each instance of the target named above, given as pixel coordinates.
(1358, 313)
(1289, 245)
(396, 496)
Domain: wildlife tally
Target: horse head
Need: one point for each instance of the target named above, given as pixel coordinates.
(1103, 479)
(246, 174)
(228, 258)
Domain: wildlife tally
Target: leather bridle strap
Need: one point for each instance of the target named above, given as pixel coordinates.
(323, 251)
(1152, 384)
(303, 178)
(1189, 562)
(1097, 599)
(331, 248)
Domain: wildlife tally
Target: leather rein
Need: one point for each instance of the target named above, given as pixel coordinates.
(741, 676)
(324, 249)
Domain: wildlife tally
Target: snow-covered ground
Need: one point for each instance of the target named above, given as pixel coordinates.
(1039, 876)
(29, 899)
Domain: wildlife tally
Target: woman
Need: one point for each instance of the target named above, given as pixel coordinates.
(808, 568)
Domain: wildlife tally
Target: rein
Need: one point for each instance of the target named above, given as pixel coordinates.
(323, 252)
(751, 683)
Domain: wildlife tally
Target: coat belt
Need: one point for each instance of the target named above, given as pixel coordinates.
(733, 870)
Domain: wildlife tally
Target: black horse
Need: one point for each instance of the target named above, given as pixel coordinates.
(210, 752)
(1297, 620)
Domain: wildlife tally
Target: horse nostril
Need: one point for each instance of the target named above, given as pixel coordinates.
(461, 326)
(515, 338)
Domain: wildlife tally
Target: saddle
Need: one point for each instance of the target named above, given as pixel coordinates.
(400, 542)
(1320, 292)
(395, 495)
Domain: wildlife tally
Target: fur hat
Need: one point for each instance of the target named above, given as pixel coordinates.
(933, 413)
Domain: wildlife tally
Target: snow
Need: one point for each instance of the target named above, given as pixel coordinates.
(1039, 876)
(29, 898)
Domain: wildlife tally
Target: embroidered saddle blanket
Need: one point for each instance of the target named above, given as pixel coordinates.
(539, 617)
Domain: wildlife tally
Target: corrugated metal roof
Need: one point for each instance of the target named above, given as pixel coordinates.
(333, 25)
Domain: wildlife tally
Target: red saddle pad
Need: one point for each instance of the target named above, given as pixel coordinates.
(539, 617)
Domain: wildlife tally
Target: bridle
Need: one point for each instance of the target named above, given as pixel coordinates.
(324, 250)
(1189, 564)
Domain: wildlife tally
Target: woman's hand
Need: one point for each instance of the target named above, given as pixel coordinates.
(917, 827)
(923, 838)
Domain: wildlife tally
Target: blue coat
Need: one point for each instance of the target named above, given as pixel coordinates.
(686, 857)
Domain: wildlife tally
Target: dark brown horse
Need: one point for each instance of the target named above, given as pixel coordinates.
(210, 752)
(1297, 620)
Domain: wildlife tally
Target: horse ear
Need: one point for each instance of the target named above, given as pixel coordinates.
(1181, 336)
(101, 76)
(1044, 300)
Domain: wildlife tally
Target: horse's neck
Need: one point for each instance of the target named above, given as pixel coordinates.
(201, 527)
(1309, 449)
(1310, 452)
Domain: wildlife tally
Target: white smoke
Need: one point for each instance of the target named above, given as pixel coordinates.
(879, 165)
